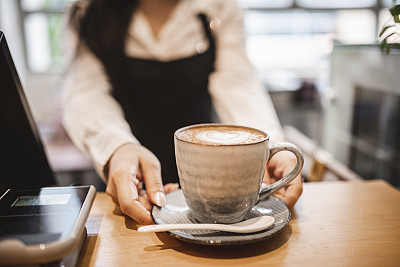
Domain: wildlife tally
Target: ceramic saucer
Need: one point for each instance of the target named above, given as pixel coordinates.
(177, 211)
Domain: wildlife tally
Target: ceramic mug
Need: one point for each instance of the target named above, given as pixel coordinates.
(221, 167)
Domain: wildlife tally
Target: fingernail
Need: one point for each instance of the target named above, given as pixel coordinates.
(160, 199)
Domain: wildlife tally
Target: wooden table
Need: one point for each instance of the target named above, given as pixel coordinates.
(333, 224)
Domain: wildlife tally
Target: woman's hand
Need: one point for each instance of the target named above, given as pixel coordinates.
(129, 168)
(278, 166)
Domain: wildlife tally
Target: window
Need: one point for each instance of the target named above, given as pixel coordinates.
(292, 40)
(336, 3)
(42, 21)
(292, 25)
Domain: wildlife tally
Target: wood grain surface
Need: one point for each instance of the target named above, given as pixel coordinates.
(333, 224)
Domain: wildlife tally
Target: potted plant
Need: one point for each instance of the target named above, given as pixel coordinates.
(391, 31)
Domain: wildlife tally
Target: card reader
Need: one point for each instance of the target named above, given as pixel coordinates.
(43, 225)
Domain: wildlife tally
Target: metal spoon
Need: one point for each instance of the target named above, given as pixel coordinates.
(248, 226)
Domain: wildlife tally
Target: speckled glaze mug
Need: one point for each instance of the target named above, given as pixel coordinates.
(221, 167)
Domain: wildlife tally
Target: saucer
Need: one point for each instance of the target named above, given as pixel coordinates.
(177, 211)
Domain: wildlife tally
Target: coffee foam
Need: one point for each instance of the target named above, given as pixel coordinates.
(221, 135)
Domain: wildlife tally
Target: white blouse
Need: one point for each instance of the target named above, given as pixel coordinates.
(94, 119)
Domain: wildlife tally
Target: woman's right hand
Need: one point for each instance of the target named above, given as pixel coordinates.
(130, 167)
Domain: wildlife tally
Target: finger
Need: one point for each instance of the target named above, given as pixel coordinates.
(290, 201)
(144, 200)
(127, 195)
(136, 211)
(170, 187)
(266, 177)
(151, 172)
(293, 192)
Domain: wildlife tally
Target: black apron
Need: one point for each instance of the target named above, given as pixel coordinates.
(160, 97)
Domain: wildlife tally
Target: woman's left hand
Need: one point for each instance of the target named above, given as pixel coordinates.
(278, 166)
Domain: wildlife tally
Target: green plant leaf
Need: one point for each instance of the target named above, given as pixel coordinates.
(384, 29)
(385, 46)
(393, 33)
(395, 11)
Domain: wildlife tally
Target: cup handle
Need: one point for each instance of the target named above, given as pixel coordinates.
(267, 191)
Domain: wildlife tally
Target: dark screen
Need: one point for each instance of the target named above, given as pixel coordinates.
(23, 162)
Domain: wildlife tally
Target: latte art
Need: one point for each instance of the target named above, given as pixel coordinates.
(221, 135)
(231, 137)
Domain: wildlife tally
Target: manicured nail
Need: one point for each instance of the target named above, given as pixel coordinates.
(160, 199)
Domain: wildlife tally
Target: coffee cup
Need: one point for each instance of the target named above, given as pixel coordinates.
(221, 168)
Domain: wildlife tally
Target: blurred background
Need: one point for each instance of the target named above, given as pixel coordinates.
(336, 94)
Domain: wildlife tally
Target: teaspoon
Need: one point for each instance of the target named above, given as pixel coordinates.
(248, 226)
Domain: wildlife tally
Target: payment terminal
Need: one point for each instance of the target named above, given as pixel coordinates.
(43, 225)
